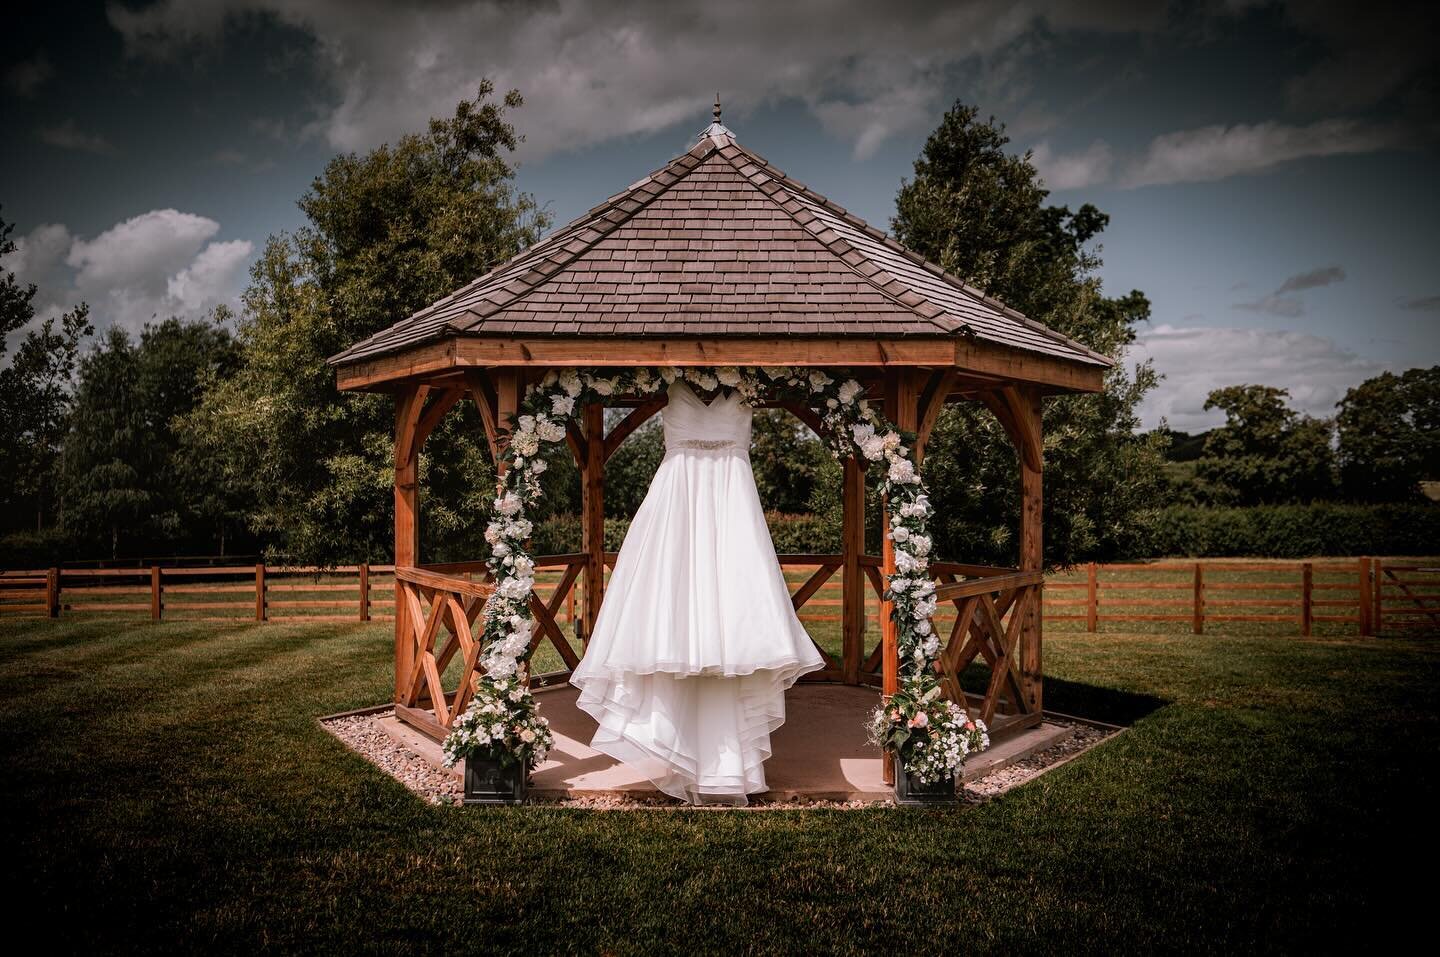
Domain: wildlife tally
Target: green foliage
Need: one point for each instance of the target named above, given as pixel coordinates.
(388, 232)
(980, 213)
(126, 474)
(34, 405)
(1389, 436)
(1293, 531)
(1265, 453)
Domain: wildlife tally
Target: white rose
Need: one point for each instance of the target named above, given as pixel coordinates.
(819, 380)
(776, 373)
(562, 404)
(570, 382)
(537, 466)
(902, 472)
(527, 735)
(508, 505)
(604, 386)
(900, 534)
(669, 373)
(849, 389)
(707, 381)
(920, 544)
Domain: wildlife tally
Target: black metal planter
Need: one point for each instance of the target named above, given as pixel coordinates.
(910, 791)
(487, 782)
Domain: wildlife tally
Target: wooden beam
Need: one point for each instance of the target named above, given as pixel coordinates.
(592, 514)
(1026, 406)
(627, 426)
(852, 582)
(806, 415)
(482, 392)
(901, 403)
(982, 359)
(407, 528)
(433, 413)
(932, 401)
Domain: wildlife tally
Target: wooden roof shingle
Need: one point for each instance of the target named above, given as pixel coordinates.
(717, 243)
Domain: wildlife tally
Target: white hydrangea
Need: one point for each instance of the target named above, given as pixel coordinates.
(776, 373)
(603, 386)
(524, 565)
(550, 430)
(905, 562)
(515, 589)
(819, 380)
(728, 376)
(562, 404)
(669, 373)
(920, 544)
(525, 443)
(508, 505)
(519, 529)
(570, 382)
(902, 472)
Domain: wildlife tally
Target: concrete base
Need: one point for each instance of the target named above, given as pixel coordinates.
(820, 752)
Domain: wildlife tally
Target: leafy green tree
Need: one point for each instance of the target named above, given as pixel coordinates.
(980, 212)
(1265, 453)
(387, 233)
(130, 485)
(109, 450)
(1389, 436)
(35, 392)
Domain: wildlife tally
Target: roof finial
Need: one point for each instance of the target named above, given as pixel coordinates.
(716, 128)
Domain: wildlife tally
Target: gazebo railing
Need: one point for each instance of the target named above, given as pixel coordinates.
(982, 606)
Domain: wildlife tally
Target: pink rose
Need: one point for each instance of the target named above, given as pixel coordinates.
(920, 720)
(969, 725)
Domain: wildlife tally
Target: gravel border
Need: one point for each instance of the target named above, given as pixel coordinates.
(363, 735)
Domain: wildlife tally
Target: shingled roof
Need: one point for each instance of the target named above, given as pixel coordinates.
(718, 243)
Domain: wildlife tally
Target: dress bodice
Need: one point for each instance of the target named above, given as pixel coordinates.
(693, 426)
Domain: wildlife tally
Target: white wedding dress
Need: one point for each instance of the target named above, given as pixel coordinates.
(697, 639)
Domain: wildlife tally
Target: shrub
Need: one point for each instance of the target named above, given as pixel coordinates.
(1294, 531)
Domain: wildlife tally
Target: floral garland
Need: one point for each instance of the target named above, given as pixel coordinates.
(931, 736)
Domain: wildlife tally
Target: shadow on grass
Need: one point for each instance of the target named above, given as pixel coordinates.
(1091, 702)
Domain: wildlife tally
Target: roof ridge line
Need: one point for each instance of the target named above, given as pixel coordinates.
(890, 242)
(779, 177)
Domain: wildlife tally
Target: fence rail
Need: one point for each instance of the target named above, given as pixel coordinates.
(1371, 595)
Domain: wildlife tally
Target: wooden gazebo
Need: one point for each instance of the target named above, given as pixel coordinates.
(718, 259)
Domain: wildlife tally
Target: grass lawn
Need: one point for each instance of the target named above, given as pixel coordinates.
(166, 787)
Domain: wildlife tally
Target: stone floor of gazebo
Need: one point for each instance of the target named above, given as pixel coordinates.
(820, 752)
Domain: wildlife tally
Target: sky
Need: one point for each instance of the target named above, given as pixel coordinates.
(1269, 168)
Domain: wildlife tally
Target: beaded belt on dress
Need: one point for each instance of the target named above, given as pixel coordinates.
(707, 444)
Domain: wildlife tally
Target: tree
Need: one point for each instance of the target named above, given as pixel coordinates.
(387, 233)
(1389, 436)
(108, 450)
(980, 213)
(34, 396)
(1265, 453)
(129, 484)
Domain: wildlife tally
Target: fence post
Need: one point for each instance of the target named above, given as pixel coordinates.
(156, 607)
(260, 592)
(1091, 598)
(1307, 594)
(1197, 622)
(1377, 601)
(1367, 626)
(364, 591)
(52, 593)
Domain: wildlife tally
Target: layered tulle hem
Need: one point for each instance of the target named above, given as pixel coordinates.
(725, 767)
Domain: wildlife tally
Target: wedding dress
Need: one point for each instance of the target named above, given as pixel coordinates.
(697, 639)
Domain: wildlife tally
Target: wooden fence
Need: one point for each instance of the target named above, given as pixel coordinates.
(1369, 595)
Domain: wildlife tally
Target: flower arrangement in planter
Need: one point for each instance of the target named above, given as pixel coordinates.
(929, 737)
(501, 737)
(852, 426)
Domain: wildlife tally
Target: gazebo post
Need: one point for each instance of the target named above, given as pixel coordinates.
(1032, 553)
(592, 514)
(852, 582)
(407, 524)
(901, 400)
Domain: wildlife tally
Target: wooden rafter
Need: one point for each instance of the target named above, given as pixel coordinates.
(627, 426)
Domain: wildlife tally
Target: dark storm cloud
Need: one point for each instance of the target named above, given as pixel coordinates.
(1323, 276)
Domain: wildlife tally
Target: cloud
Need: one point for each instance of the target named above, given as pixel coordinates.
(228, 157)
(25, 78)
(1422, 304)
(592, 72)
(1273, 305)
(1089, 167)
(67, 136)
(1196, 360)
(1315, 278)
(157, 264)
(1279, 304)
(1212, 153)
